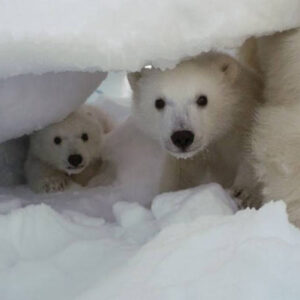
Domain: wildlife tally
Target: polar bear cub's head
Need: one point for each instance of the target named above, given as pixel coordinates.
(72, 144)
(194, 104)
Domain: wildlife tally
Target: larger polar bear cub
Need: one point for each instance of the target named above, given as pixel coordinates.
(201, 112)
(68, 151)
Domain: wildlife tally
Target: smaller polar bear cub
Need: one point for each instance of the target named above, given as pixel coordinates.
(68, 151)
(201, 112)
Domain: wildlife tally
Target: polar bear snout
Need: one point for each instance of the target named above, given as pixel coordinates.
(76, 163)
(182, 139)
(75, 160)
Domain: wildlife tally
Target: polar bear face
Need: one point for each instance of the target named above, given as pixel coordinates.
(189, 107)
(71, 145)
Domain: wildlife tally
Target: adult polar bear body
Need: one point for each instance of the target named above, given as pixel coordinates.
(201, 112)
(276, 138)
(68, 151)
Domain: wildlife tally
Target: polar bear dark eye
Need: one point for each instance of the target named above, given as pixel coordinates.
(160, 103)
(57, 140)
(85, 137)
(202, 100)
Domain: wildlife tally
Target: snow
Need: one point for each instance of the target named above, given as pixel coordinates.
(185, 205)
(89, 35)
(31, 102)
(197, 254)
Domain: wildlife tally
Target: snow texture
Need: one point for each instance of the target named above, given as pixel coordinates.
(190, 245)
(88, 35)
(31, 102)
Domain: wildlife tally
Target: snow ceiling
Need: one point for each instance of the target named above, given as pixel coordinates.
(66, 35)
(42, 36)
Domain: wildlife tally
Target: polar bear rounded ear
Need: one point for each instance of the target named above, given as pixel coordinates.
(229, 67)
(133, 78)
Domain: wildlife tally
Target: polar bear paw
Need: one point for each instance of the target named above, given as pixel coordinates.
(53, 184)
(245, 197)
(242, 196)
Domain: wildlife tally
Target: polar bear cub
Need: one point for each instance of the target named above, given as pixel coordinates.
(68, 151)
(201, 112)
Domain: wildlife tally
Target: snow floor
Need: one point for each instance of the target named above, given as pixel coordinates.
(189, 245)
(115, 243)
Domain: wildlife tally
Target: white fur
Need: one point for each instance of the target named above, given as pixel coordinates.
(47, 168)
(276, 139)
(221, 128)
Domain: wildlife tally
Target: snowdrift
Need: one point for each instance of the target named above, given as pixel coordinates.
(188, 246)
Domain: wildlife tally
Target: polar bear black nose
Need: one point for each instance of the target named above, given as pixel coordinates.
(75, 160)
(182, 138)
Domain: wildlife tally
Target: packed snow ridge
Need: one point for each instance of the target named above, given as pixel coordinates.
(81, 35)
